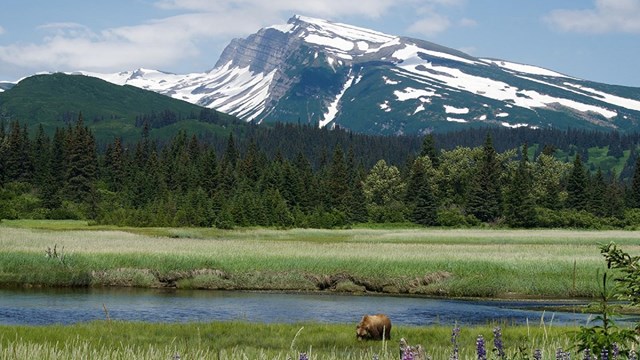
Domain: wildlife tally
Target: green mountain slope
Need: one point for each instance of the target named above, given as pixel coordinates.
(110, 110)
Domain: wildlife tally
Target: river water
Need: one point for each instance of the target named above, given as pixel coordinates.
(66, 306)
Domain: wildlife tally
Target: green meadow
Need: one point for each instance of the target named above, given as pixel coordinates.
(435, 262)
(479, 262)
(106, 340)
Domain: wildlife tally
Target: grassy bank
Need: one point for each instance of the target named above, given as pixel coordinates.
(464, 263)
(239, 340)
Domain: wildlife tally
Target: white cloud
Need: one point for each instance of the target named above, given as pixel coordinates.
(164, 43)
(161, 43)
(430, 25)
(2, 31)
(606, 16)
(466, 22)
(327, 8)
(432, 20)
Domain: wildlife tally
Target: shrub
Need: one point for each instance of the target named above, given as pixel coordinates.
(453, 216)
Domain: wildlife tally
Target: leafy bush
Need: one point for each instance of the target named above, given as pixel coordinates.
(569, 218)
(453, 217)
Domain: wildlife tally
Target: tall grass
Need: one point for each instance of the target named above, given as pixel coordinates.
(484, 263)
(239, 340)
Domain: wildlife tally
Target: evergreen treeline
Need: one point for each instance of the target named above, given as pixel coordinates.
(299, 176)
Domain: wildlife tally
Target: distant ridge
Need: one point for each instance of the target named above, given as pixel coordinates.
(326, 73)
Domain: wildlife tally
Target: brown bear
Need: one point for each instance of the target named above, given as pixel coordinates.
(374, 327)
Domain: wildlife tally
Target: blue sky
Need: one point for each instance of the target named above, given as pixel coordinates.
(597, 40)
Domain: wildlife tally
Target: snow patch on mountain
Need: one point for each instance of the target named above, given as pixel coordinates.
(284, 28)
(454, 110)
(494, 89)
(523, 68)
(389, 81)
(513, 126)
(330, 115)
(611, 99)
(411, 93)
(239, 91)
(345, 31)
(336, 43)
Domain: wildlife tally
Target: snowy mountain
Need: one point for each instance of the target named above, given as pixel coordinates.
(316, 71)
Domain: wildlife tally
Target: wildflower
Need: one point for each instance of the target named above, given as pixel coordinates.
(562, 355)
(482, 352)
(604, 354)
(633, 355)
(615, 349)
(497, 342)
(303, 356)
(375, 357)
(407, 354)
(586, 355)
(454, 340)
(537, 354)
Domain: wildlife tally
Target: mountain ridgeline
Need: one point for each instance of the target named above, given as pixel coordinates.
(323, 73)
(56, 100)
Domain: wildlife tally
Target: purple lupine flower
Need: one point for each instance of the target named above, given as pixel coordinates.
(454, 340)
(537, 354)
(633, 355)
(407, 354)
(482, 352)
(615, 349)
(586, 355)
(303, 356)
(559, 354)
(604, 354)
(497, 342)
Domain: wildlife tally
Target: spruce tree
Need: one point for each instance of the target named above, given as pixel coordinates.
(597, 195)
(209, 165)
(306, 187)
(429, 149)
(577, 197)
(425, 210)
(338, 181)
(615, 205)
(115, 166)
(59, 162)
(82, 163)
(3, 154)
(484, 198)
(356, 200)
(17, 158)
(519, 201)
(634, 196)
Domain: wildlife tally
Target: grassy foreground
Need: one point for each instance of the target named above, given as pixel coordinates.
(442, 262)
(239, 340)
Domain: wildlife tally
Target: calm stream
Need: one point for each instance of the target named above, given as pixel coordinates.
(38, 307)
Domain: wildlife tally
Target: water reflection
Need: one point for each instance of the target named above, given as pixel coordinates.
(38, 307)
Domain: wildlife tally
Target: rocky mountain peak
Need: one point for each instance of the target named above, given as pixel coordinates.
(328, 73)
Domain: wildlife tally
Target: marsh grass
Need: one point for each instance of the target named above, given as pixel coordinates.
(240, 340)
(477, 262)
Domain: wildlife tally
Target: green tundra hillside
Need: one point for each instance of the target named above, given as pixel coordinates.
(56, 100)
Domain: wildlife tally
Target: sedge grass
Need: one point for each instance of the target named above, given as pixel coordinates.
(478, 262)
(241, 340)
